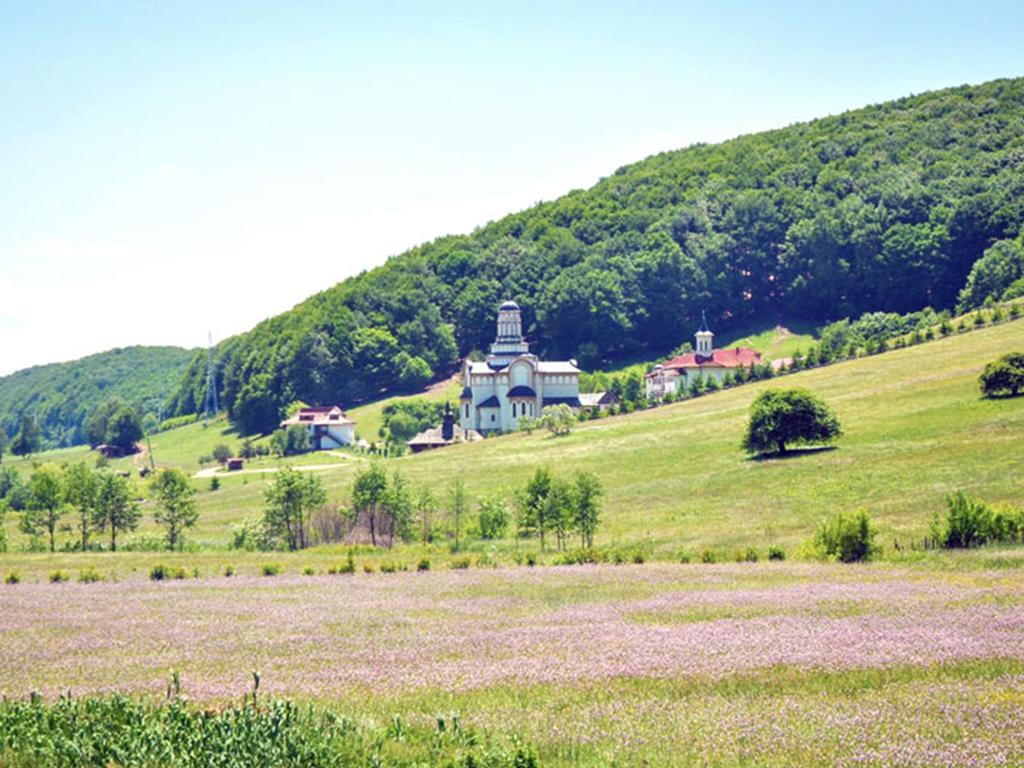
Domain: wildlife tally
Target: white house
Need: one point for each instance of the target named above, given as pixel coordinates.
(706, 362)
(328, 426)
(512, 383)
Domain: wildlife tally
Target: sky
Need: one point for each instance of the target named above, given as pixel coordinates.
(173, 169)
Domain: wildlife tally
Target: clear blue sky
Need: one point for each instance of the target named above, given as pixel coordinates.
(174, 167)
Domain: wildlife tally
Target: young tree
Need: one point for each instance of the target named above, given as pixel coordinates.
(558, 419)
(426, 506)
(29, 438)
(115, 507)
(221, 453)
(45, 503)
(81, 486)
(492, 519)
(290, 497)
(1004, 376)
(780, 417)
(297, 440)
(458, 504)
(587, 507)
(177, 505)
(558, 514)
(369, 492)
(398, 509)
(532, 503)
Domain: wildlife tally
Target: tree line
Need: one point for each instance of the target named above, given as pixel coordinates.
(104, 502)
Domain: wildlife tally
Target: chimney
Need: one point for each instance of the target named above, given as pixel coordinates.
(448, 425)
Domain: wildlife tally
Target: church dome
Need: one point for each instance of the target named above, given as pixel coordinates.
(509, 306)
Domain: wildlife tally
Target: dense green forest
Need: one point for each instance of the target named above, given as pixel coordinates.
(62, 396)
(885, 208)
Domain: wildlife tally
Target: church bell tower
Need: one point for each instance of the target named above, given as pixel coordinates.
(705, 338)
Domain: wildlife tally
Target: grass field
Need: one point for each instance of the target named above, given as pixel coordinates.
(753, 664)
(676, 481)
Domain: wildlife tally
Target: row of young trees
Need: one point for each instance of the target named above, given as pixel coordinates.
(103, 501)
(388, 508)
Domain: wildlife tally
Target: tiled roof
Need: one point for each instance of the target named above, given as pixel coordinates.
(719, 358)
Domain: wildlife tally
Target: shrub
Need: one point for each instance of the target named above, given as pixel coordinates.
(159, 572)
(708, 556)
(493, 518)
(271, 569)
(221, 453)
(349, 565)
(776, 553)
(309, 570)
(58, 576)
(229, 571)
(849, 539)
(368, 568)
(531, 560)
(13, 577)
(388, 567)
(179, 573)
(1004, 376)
(214, 483)
(460, 563)
(684, 558)
(89, 576)
(423, 565)
(639, 558)
(750, 556)
(971, 523)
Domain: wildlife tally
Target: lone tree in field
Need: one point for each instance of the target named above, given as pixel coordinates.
(369, 494)
(1004, 376)
(177, 505)
(781, 417)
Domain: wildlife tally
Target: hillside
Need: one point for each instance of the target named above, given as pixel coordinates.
(62, 395)
(676, 479)
(881, 208)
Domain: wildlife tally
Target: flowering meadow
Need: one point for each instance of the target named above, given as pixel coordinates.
(743, 664)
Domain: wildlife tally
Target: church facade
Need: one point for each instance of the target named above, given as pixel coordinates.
(512, 383)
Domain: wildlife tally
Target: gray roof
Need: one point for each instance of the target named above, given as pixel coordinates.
(557, 367)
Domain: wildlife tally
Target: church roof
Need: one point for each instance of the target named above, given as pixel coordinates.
(566, 366)
(571, 401)
(508, 305)
(467, 393)
(703, 323)
(522, 391)
(719, 358)
(490, 402)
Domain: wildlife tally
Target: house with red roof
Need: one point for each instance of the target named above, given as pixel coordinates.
(679, 373)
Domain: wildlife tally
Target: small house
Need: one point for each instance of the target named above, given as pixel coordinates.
(235, 464)
(598, 401)
(328, 426)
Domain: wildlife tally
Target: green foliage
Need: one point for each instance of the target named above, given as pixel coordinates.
(993, 274)
(782, 417)
(885, 208)
(1004, 376)
(221, 453)
(81, 489)
(290, 498)
(403, 419)
(458, 506)
(29, 438)
(847, 538)
(549, 504)
(63, 396)
(176, 505)
(270, 569)
(45, 503)
(558, 419)
(369, 495)
(776, 553)
(116, 509)
(124, 429)
(492, 518)
(971, 522)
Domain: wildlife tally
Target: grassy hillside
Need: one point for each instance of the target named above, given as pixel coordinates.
(881, 208)
(62, 395)
(676, 480)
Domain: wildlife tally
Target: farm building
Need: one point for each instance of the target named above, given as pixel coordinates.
(706, 362)
(328, 426)
(513, 383)
(600, 401)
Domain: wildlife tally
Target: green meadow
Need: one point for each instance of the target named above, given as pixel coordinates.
(675, 479)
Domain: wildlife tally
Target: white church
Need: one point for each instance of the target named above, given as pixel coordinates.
(512, 383)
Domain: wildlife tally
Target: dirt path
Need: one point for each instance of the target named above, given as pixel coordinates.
(222, 472)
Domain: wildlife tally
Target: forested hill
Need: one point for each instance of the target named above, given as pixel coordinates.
(882, 208)
(62, 395)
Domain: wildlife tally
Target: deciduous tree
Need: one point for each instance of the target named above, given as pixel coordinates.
(116, 508)
(45, 503)
(176, 502)
(782, 417)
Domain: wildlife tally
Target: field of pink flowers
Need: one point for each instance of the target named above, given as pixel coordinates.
(732, 664)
